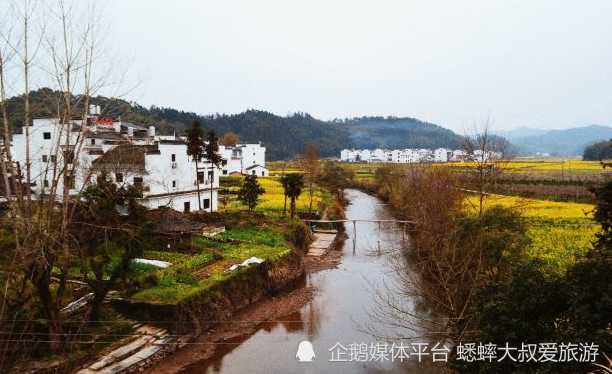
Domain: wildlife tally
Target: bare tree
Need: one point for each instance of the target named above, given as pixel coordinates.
(486, 153)
(42, 204)
(310, 163)
(433, 268)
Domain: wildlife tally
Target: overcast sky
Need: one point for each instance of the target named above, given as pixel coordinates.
(543, 63)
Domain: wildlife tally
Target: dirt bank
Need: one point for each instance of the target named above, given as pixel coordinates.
(229, 334)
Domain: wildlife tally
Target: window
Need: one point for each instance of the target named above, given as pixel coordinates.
(53, 158)
(138, 182)
(46, 183)
(186, 207)
(200, 177)
(223, 162)
(46, 135)
(224, 172)
(253, 172)
(70, 182)
(206, 204)
(119, 177)
(263, 173)
(211, 175)
(93, 141)
(173, 157)
(174, 184)
(44, 158)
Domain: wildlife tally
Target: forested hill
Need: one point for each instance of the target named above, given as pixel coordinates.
(284, 137)
(398, 133)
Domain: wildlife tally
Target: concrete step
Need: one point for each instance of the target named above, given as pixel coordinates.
(149, 340)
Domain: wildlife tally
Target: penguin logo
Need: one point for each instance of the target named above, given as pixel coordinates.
(305, 352)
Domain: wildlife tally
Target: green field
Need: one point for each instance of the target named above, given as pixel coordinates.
(195, 272)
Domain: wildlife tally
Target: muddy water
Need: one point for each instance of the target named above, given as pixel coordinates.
(341, 311)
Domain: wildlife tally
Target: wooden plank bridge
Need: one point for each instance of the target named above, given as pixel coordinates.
(324, 240)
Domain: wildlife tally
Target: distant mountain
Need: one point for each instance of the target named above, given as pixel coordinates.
(284, 137)
(563, 143)
(397, 133)
(521, 132)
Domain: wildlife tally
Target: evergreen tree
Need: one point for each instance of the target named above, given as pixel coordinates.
(294, 185)
(211, 151)
(195, 149)
(250, 191)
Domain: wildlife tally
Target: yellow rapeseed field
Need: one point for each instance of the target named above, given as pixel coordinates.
(274, 199)
(560, 232)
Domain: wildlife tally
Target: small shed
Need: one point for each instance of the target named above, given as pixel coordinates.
(258, 170)
(180, 227)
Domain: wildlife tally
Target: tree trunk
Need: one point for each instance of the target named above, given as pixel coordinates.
(96, 305)
(285, 208)
(48, 307)
(311, 195)
(198, 185)
(212, 178)
(292, 207)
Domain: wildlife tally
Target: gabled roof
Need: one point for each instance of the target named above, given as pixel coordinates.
(170, 221)
(255, 166)
(126, 154)
(110, 135)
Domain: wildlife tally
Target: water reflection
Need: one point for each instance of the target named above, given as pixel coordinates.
(342, 311)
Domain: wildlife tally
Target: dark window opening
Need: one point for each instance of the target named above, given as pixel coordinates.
(46, 135)
(46, 183)
(174, 184)
(253, 172)
(70, 182)
(263, 173)
(119, 177)
(138, 182)
(53, 158)
(93, 141)
(224, 172)
(206, 204)
(44, 158)
(224, 162)
(200, 177)
(186, 206)
(173, 157)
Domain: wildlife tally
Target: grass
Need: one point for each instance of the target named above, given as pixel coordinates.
(560, 231)
(193, 274)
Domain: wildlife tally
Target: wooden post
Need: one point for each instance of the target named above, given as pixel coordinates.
(378, 236)
(354, 236)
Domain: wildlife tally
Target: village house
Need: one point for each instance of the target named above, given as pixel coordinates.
(244, 159)
(401, 156)
(128, 153)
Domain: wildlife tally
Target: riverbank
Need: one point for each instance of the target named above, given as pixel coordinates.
(222, 337)
(233, 306)
(334, 304)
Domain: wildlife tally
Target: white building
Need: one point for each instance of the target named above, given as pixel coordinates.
(129, 153)
(443, 155)
(246, 159)
(403, 156)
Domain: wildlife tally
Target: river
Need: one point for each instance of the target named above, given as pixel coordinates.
(339, 312)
